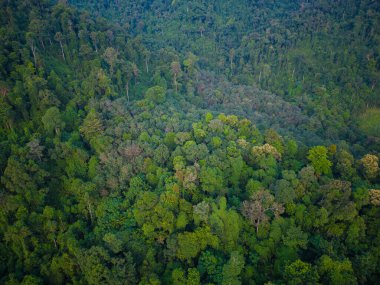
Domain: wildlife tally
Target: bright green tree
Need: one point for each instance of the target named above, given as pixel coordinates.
(319, 160)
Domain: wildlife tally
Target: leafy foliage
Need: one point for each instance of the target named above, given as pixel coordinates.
(189, 142)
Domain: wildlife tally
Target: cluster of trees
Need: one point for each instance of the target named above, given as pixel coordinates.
(321, 56)
(144, 198)
(123, 162)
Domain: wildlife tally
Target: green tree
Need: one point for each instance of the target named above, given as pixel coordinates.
(344, 164)
(232, 269)
(190, 244)
(156, 94)
(176, 70)
(300, 272)
(100, 268)
(92, 126)
(211, 179)
(110, 56)
(52, 120)
(225, 224)
(319, 160)
(59, 38)
(336, 272)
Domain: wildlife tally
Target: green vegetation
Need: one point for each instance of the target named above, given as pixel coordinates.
(369, 122)
(189, 142)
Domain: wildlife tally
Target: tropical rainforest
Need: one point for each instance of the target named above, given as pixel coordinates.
(189, 142)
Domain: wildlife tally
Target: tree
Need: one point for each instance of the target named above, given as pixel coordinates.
(92, 126)
(190, 244)
(59, 38)
(258, 152)
(5, 110)
(189, 63)
(257, 208)
(374, 197)
(147, 55)
(179, 278)
(233, 268)
(210, 265)
(236, 170)
(195, 152)
(211, 179)
(336, 199)
(336, 272)
(156, 94)
(156, 219)
(201, 212)
(110, 56)
(35, 149)
(344, 165)
(176, 69)
(370, 164)
(52, 120)
(99, 267)
(318, 158)
(284, 191)
(161, 154)
(225, 224)
(16, 178)
(274, 139)
(30, 40)
(94, 38)
(295, 238)
(135, 71)
(300, 272)
(232, 57)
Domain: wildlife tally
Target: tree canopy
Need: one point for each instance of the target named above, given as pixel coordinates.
(189, 142)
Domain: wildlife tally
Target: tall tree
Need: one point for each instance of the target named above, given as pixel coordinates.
(176, 69)
(257, 208)
(59, 38)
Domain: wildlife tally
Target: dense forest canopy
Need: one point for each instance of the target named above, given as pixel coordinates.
(189, 142)
(321, 55)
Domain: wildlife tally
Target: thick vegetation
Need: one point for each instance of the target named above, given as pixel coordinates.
(323, 56)
(138, 146)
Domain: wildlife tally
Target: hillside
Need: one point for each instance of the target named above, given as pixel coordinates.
(177, 142)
